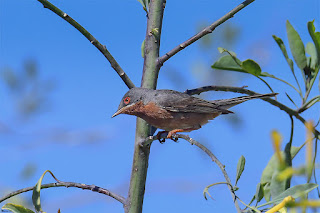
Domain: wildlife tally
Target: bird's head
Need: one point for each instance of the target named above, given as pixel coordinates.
(131, 100)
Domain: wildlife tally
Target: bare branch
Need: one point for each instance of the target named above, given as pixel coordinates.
(69, 184)
(204, 32)
(93, 40)
(242, 90)
(149, 139)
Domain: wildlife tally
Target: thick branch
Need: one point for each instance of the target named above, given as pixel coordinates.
(208, 152)
(143, 130)
(69, 184)
(93, 40)
(204, 32)
(249, 92)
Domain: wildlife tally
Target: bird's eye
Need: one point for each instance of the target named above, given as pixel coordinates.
(126, 100)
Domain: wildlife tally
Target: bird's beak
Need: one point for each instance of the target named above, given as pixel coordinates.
(120, 111)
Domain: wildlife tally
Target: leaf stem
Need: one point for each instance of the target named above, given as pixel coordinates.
(279, 79)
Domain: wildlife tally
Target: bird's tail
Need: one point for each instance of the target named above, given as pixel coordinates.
(227, 103)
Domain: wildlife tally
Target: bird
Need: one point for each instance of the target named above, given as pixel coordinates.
(174, 111)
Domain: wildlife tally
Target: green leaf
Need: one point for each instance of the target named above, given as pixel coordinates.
(291, 100)
(223, 50)
(270, 170)
(266, 191)
(16, 208)
(251, 67)
(272, 166)
(265, 74)
(240, 168)
(296, 46)
(259, 192)
(296, 191)
(276, 186)
(315, 37)
(284, 51)
(36, 191)
(311, 50)
(144, 4)
(227, 62)
(142, 48)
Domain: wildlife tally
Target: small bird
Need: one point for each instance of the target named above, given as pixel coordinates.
(174, 111)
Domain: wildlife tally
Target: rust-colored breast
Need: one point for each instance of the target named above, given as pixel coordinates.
(149, 110)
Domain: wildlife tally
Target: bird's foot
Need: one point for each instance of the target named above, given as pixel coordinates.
(161, 139)
(172, 134)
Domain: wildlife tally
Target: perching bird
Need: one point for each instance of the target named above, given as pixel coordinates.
(174, 111)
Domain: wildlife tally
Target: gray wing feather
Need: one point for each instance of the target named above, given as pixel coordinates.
(180, 102)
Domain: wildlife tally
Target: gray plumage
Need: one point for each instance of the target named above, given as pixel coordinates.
(175, 101)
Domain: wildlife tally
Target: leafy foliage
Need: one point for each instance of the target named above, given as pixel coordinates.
(275, 181)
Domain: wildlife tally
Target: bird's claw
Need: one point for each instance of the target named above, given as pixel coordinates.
(162, 140)
(174, 138)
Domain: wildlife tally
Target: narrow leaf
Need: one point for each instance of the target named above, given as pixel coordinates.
(142, 48)
(315, 37)
(240, 168)
(266, 191)
(16, 208)
(36, 192)
(311, 50)
(259, 192)
(251, 67)
(296, 191)
(296, 46)
(284, 51)
(291, 100)
(143, 3)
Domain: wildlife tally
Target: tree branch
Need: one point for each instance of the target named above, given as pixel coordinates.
(288, 110)
(204, 32)
(149, 139)
(93, 40)
(69, 184)
(143, 130)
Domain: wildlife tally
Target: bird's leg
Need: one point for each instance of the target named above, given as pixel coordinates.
(173, 132)
(161, 140)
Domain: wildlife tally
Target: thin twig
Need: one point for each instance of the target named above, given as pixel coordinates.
(69, 184)
(204, 32)
(93, 40)
(250, 92)
(208, 152)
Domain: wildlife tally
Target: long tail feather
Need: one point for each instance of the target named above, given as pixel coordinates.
(227, 103)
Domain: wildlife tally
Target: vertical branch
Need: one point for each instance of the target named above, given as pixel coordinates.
(149, 80)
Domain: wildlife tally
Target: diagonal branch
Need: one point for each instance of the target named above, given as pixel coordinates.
(69, 184)
(148, 140)
(204, 32)
(242, 90)
(93, 40)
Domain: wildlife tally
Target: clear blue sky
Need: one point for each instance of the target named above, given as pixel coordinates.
(75, 137)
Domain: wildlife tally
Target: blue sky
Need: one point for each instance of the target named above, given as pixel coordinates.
(75, 137)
